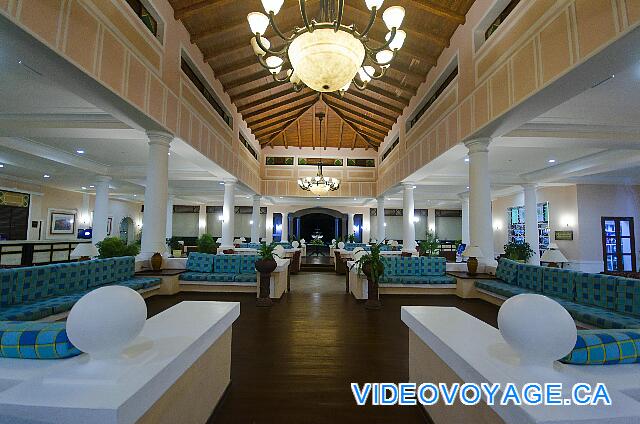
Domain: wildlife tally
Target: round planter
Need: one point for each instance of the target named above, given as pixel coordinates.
(373, 300)
(265, 267)
(156, 261)
(472, 266)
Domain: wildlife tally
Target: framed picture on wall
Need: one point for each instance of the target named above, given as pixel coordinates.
(109, 224)
(62, 222)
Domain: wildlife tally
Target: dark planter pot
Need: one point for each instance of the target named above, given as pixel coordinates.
(472, 266)
(156, 261)
(373, 300)
(265, 267)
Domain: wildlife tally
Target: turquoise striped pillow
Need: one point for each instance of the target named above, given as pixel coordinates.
(35, 340)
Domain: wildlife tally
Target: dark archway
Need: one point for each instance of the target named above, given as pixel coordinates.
(330, 222)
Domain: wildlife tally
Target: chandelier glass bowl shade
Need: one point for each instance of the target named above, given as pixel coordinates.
(326, 56)
(319, 184)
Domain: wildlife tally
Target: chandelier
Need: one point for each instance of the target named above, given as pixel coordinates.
(326, 56)
(319, 184)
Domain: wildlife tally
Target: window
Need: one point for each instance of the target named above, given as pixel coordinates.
(433, 97)
(390, 149)
(246, 144)
(516, 232)
(618, 244)
(145, 16)
(206, 92)
(500, 19)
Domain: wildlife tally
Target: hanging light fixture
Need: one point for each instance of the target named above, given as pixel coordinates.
(319, 184)
(326, 56)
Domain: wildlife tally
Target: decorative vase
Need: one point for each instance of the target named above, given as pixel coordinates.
(265, 267)
(373, 300)
(472, 266)
(156, 262)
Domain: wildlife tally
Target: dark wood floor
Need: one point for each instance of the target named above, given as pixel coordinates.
(294, 362)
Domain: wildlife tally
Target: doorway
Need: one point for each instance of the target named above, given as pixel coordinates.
(127, 233)
(618, 244)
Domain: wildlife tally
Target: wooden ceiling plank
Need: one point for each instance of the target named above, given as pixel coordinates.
(361, 95)
(284, 139)
(363, 116)
(291, 123)
(354, 104)
(355, 138)
(233, 67)
(198, 7)
(287, 111)
(299, 135)
(253, 91)
(353, 127)
(264, 100)
(269, 121)
(326, 126)
(271, 107)
(246, 79)
(437, 10)
(341, 134)
(388, 94)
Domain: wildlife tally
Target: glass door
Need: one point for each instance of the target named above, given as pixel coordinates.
(618, 244)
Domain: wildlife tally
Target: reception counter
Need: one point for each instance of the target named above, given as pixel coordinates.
(181, 353)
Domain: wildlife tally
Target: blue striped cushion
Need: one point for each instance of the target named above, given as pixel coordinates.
(599, 347)
(72, 277)
(248, 264)
(596, 290)
(408, 266)
(530, 277)
(557, 282)
(500, 288)
(193, 276)
(628, 296)
(35, 340)
(434, 266)
(100, 272)
(226, 264)
(200, 262)
(125, 268)
(599, 317)
(7, 287)
(31, 284)
(390, 265)
(507, 271)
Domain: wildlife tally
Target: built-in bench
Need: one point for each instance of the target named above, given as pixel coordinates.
(38, 292)
(598, 300)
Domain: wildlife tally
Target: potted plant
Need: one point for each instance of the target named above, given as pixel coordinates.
(112, 247)
(176, 246)
(372, 266)
(430, 245)
(265, 266)
(518, 251)
(351, 238)
(207, 244)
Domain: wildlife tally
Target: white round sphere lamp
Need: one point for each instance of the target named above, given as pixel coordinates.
(295, 244)
(341, 245)
(104, 321)
(537, 328)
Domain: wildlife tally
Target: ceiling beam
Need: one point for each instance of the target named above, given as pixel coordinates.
(198, 7)
(341, 134)
(287, 111)
(436, 9)
(359, 94)
(272, 106)
(253, 91)
(263, 101)
(262, 73)
(355, 138)
(296, 119)
(326, 125)
(299, 135)
(269, 121)
(388, 94)
(353, 127)
(385, 128)
(353, 104)
(233, 67)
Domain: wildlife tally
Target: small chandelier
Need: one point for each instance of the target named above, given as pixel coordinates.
(326, 56)
(319, 184)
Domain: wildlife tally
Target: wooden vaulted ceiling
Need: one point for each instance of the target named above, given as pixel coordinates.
(276, 114)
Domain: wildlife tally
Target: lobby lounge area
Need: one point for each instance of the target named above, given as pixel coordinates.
(319, 210)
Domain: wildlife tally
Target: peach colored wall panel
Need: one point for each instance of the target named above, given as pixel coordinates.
(452, 127)
(194, 137)
(465, 117)
(172, 112)
(112, 62)
(633, 11)
(524, 72)
(437, 110)
(441, 134)
(136, 82)
(82, 37)
(498, 45)
(555, 51)
(596, 24)
(41, 17)
(4, 5)
(499, 91)
(156, 98)
(185, 122)
(195, 100)
(481, 106)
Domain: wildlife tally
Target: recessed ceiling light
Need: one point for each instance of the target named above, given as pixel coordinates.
(84, 188)
(80, 152)
(414, 186)
(551, 161)
(466, 159)
(91, 186)
(135, 195)
(317, 198)
(467, 187)
(1, 165)
(355, 198)
(281, 197)
(46, 176)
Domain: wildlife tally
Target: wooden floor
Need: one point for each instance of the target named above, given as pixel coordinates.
(294, 362)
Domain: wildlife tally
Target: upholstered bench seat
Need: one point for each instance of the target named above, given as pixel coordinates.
(599, 317)
(211, 269)
(500, 288)
(246, 278)
(415, 270)
(419, 279)
(30, 312)
(139, 283)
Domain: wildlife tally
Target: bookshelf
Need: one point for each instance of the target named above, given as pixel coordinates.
(516, 232)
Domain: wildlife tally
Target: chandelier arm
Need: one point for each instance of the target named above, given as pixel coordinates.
(305, 18)
(385, 46)
(280, 52)
(358, 86)
(338, 22)
(373, 59)
(266, 65)
(372, 19)
(285, 79)
(272, 21)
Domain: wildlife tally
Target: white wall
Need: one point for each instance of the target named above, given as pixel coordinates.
(449, 228)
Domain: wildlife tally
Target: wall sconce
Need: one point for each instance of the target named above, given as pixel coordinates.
(385, 224)
(432, 228)
(220, 217)
(567, 221)
(497, 225)
(251, 222)
(416, 219)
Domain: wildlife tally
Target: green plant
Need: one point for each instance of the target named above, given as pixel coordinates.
(518, 251)
(174, 243)
(370, 163)
(337, 162)
(351, 162)
(207, 244)
(270, 160)
(112, 247)
(430, 245)
(288, 161)
(371, 262)
(302, 161)
(265, 251)
(351, 238)
(317, 242)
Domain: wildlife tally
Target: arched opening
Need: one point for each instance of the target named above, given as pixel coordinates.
(328, 223)
(127, 230)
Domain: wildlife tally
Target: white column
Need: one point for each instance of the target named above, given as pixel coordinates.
(431, 220)
(85, 212)
(531, 221)
(480, 228)
(202, 220)
(408, 225)
(285, 226)
(169, 225)
(255, 218)
(101, 209)
(464, 198)
(228, 213)
(268, 227)
(381, 230)
(154, 220)
(350, 221)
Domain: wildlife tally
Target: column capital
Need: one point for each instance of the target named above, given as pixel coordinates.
(380, 199)
(257, 198)
(230, 181)
(529, 186)
(464, 196)
(103, 179)
(478, 144)
(159, 137)
(408, 185)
